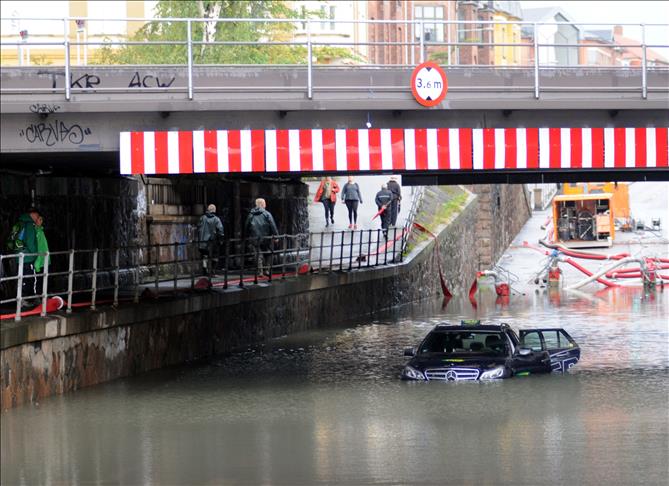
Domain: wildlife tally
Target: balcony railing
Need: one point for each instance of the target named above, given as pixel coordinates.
(304, 45)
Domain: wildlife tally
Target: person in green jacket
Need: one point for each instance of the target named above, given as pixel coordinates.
(27, 236)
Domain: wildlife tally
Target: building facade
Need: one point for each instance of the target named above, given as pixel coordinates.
(30, 33)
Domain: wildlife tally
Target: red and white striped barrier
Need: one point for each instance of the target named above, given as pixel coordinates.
(344, 150)
(438, 148)
(392, 150)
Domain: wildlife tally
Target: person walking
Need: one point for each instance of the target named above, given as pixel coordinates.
(327, 194)
(259, 229)
(210, 234)
(27, 236)
(383, 200)
(351, 196)
(394, 187)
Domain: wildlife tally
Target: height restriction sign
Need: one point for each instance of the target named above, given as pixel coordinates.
(429, 84)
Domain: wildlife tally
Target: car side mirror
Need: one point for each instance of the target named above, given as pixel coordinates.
(524, 351)
(409, 352)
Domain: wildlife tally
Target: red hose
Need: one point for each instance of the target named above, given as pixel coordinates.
(589, 273)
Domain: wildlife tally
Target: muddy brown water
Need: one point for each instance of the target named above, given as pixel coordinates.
(327, 407)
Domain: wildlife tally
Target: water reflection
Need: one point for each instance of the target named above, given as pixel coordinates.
(327, 407)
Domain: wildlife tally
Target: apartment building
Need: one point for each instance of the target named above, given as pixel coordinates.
(30, 33)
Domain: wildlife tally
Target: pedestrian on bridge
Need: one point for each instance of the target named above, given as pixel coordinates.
(327, 194)
(383, 200)
(27, 236)
(394, 187)
(210, 235)
(351, 196)
(259, 229)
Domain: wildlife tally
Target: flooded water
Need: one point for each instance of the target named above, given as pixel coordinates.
(327, 407)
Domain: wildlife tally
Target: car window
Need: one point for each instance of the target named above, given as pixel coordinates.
(551, 339)
(565, 342)
(464, 342)
(532, 340)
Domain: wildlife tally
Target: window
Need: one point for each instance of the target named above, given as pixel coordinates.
(433, 32)
(532, 340)
(551, 339)
(327, 13)
(488, 343)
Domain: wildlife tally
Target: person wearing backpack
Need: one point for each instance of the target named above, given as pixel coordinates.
(27, 236)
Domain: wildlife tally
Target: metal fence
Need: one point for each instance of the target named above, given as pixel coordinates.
(88, 278)
(87, 282)
(303, 41)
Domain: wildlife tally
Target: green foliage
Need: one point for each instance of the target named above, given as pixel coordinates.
(257, 33)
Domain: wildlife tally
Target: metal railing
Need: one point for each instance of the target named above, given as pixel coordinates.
(409, 50)
(88, 278)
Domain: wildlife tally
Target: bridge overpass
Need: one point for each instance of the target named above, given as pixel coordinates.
(511, 124)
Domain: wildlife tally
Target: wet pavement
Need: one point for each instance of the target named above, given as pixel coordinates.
(328, 407)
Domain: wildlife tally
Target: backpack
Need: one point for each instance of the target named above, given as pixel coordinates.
(15, 240)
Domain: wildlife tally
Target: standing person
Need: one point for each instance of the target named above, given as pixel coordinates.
(394, 187)
(259, 227)
(351, 196)
(383, 200)
(210, 233)
(27, 236)
(327, 194)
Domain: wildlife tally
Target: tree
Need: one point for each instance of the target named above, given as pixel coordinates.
(254, 35)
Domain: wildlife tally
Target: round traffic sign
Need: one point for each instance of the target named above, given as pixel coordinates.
(429, 84)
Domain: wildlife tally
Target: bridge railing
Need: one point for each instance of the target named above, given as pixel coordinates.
(303, 42)
(89, 278)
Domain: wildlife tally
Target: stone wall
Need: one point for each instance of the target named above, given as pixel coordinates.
(503, 210)
(41, 357)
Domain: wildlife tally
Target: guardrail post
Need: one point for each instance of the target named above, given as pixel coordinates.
(536, 62)
(137, 279)
(117, 262)
(227, 263)
(66, 44)
(94, 286)
(341, 251)
(309, 62)
(644, 64)
(70, 281)
(45, 284)
(190, 60)
(19, 288)
(176, 266)
(422, 41)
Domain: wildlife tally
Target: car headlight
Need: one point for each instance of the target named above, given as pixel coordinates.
(412, 373)
(493, 374)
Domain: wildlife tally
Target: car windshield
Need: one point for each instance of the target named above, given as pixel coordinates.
(487, 343)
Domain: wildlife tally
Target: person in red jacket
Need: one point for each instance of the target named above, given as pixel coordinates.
(327, 194)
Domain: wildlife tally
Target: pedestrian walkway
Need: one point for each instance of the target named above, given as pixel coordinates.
(367, 244)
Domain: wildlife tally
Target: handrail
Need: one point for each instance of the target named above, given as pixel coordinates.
(305, 37)
(106, 275)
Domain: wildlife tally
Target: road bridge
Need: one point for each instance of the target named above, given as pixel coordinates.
(511, 123)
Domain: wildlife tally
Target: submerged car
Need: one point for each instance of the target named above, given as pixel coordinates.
(472, 351)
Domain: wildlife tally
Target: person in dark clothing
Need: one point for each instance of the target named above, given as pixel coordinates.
(351, 196)
(210, 234)
(383, 200)
(27, 236)
(259, 229)
(327, 194)
(394, 187)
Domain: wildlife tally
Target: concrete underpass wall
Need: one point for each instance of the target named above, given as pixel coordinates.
(502, 211)
(42, 357)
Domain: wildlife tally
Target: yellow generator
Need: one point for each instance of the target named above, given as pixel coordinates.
(583, 220)
(620, 201)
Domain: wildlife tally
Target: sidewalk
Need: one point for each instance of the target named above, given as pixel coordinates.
(369, 186)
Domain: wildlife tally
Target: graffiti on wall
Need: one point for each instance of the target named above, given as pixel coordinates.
(50, 133)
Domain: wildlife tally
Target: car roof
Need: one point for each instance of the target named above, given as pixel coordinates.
(466, 327)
